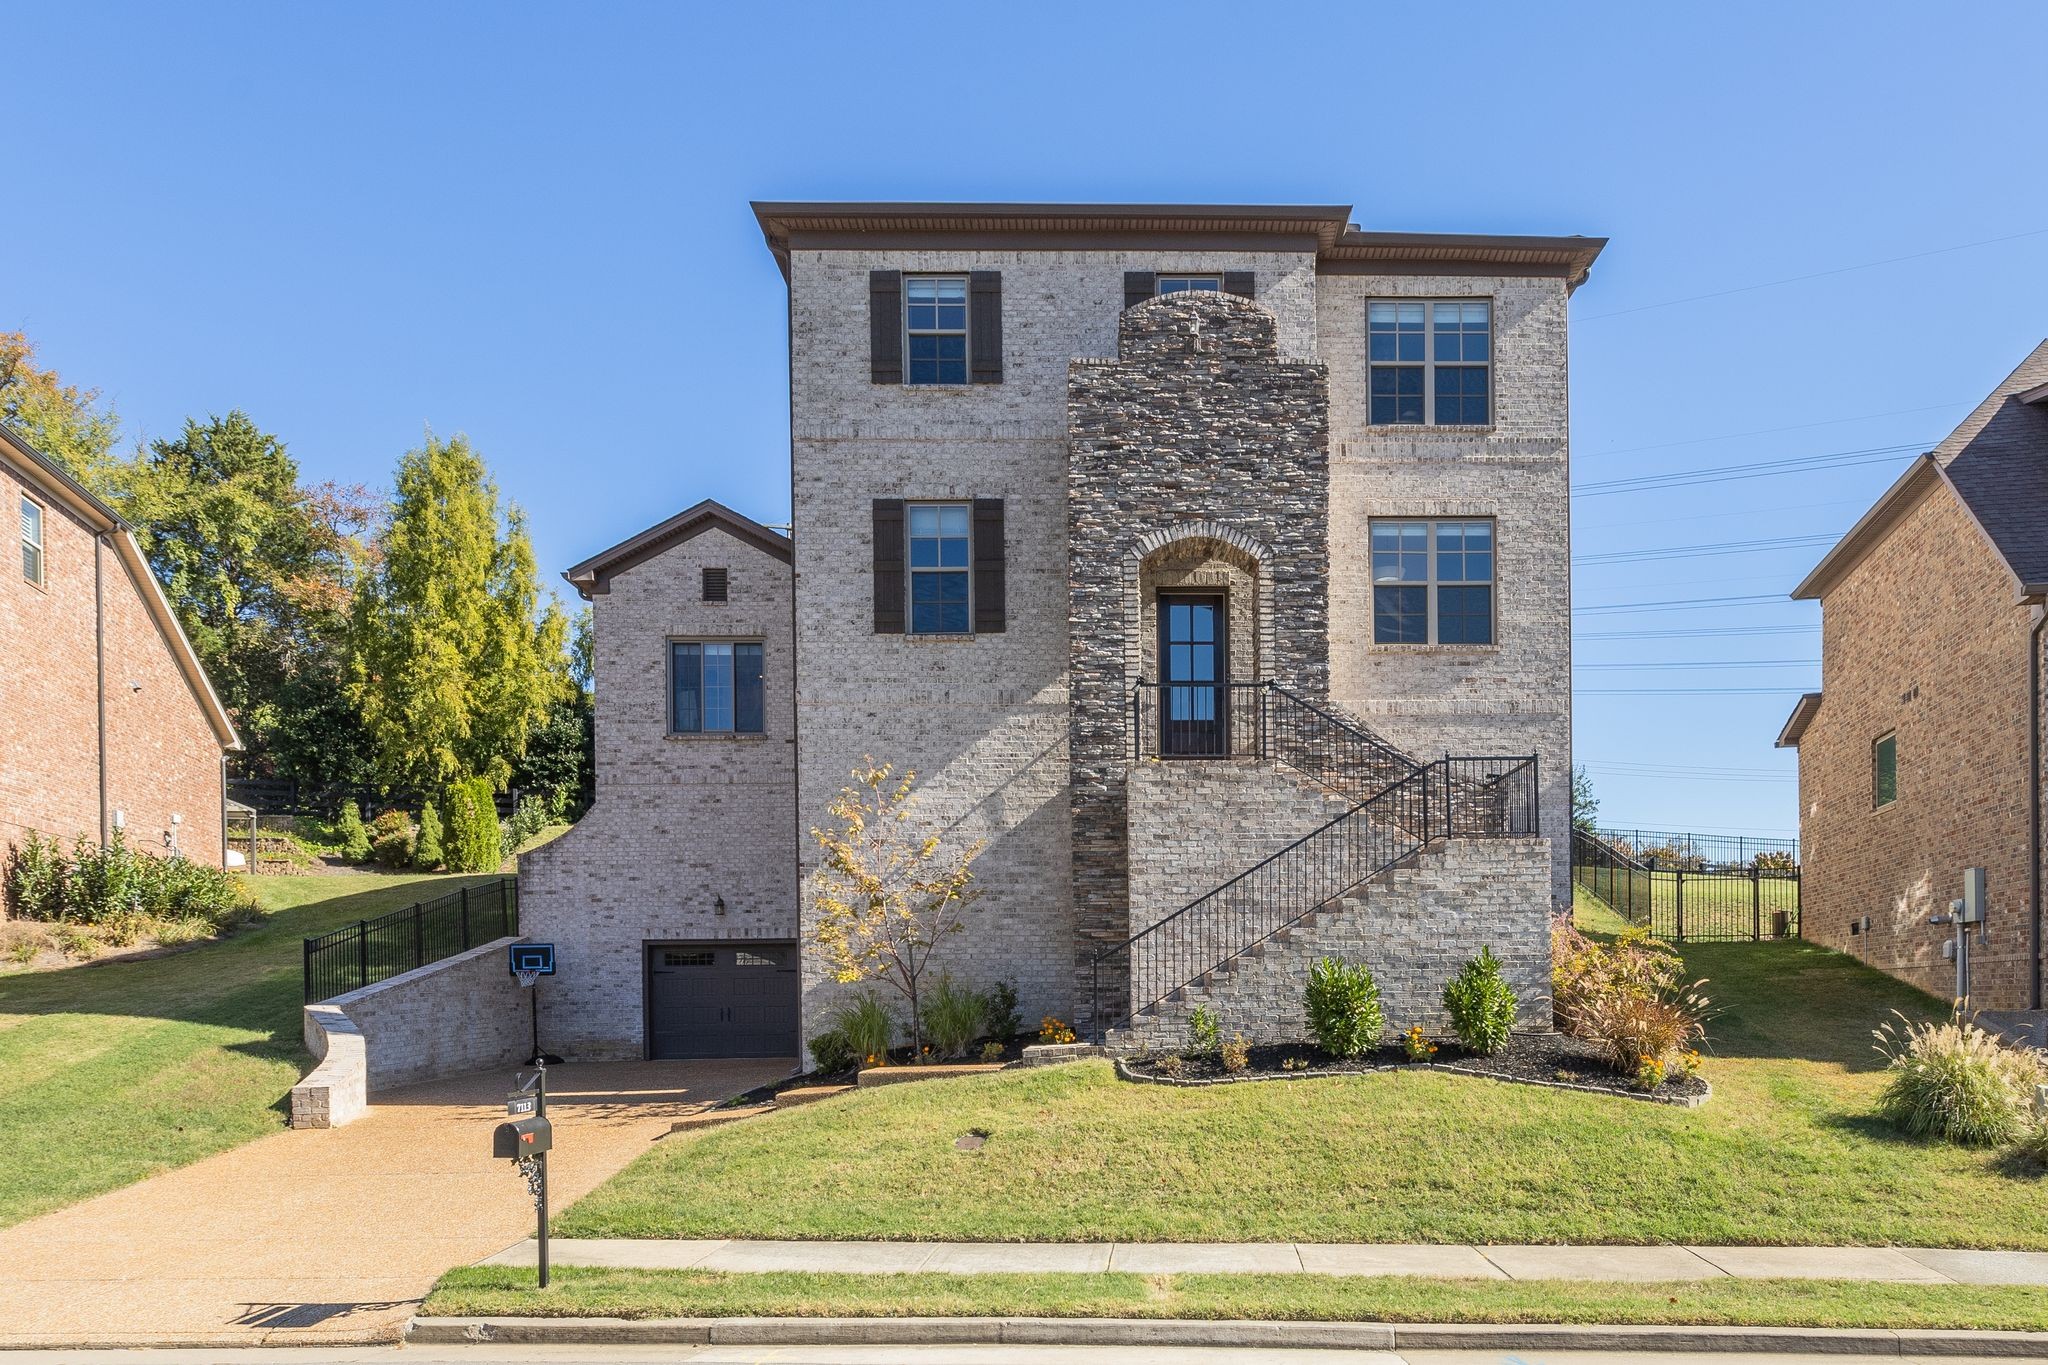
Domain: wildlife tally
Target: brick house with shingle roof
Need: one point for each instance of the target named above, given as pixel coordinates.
(1922, 753)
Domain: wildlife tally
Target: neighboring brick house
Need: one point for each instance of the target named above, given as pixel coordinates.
(1921, 754)
(107, 720)
(1079, 490)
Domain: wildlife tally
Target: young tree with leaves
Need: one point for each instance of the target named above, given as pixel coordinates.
(1585, 805)
(452, 668)
(887, 896)
(69, 424)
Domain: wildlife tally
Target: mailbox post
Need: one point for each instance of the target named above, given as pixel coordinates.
(526, 1138)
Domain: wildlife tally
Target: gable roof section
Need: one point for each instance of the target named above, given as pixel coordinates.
(1325, 229)
(50, 478)
(1803, 712)
(1996, 464)
(593, 575)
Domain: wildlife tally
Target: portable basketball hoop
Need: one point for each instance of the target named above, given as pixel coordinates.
(529, 963)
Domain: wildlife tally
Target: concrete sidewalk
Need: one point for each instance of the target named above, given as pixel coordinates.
(1906, 1265)
(331, 1235)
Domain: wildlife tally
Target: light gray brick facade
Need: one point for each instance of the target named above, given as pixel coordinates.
(1203, 440)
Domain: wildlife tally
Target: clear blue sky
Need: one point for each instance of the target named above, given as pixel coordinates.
(529, 223)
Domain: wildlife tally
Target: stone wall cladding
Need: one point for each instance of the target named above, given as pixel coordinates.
(1514, 697)
(982, 720)
(1922, 638)
(1414, 926)
(679, 822)
(163, 756)
(1200, 429)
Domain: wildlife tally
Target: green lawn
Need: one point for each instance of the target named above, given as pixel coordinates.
(586, 1292)
(1786, 1152)
(113, 1071)
(1715, 906)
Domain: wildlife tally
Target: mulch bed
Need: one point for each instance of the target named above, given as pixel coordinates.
(1554, 1060)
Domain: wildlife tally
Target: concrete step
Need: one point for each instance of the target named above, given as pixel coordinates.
(808, 1094)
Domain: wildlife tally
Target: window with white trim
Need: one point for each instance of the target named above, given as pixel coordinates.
(941, 551)
(1431, 362)
(31, 540)
(1432, 582)
(935, 328)
(715, 687)
(1884, 771)
(1188, 284)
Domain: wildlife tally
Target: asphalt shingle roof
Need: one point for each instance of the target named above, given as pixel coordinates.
(1997, 461)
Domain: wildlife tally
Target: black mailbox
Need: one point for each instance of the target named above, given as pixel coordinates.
(523, 1137)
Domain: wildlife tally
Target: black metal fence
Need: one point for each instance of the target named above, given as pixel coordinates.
(1669, 849)
(1703, 903)
(1260, 720)
(282, 796)
(372, 950)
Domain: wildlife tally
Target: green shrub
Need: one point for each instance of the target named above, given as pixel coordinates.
(1205, 1032)
(474, 842)
(426, 849)
(1955, 1081)
(1481, 1004)
(106, 883)
(866, 1025)
(832, 1053)
(1342, 1003)
(391, 839)
(36, 872)
(350, 834)
(529, 818)
(1002, 1020)
(952, 1015)
(1236, 1054)
(192, 894)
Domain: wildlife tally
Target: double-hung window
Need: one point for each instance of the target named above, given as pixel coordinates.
(1884, 771)
(1431, 361)
(714, 687)
(940, 551)
(1189, 284)
(32, 541)
(935, 328)
(1432, 582)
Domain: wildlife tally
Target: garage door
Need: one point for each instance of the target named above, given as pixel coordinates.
(721, 1000)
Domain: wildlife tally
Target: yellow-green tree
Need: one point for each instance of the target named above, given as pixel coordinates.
(888, 893)
(453, 664)
(69, 424)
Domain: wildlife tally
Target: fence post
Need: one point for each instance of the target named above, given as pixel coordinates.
(1756, 904)
(1799, 899)
(1680, 925)
(465, 919)
(362, 953)
(308, 992)
(419, 947)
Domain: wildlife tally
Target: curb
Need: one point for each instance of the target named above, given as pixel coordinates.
(1130, 1332)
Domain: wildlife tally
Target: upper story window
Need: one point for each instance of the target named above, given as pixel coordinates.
(935, 328)
(1884, 771)
(32, 541)
(941, 547)
(1190, 284)
(714, 687)
(1431, 361)
(1432, 582)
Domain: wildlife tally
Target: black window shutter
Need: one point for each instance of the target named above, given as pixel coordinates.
(889, 590)
(989, 614)
(985, 326)
(885, 326)
(1240, 283)
(1139, 285)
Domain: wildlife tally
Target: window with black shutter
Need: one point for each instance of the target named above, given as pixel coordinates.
(989, 615)
(985, 326)
(1240, 283)
(889, 585)
(714, 584)
(1139, 285)
(885, 326)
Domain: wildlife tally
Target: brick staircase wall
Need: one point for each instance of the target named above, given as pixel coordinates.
(1414, 926)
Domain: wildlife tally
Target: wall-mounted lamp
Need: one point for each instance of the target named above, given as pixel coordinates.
(718, 906)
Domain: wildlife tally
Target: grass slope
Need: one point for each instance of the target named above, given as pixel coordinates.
(587, 1292)
(113, 1071)
(1787, 1151)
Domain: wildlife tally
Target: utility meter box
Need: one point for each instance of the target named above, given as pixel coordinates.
(1972, 909)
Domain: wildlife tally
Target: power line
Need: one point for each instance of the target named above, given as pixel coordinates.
(1815, 275)
(1749, 512)
(1683, 768)
(1686, 691)
(1712, 548)
(1773, 431)
(1714, 663)
(1683, 604)
(1690, 632)
(1761, 469)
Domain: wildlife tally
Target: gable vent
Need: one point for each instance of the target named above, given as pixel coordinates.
(714, 585)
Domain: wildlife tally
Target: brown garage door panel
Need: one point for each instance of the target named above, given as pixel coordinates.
(722, 1000)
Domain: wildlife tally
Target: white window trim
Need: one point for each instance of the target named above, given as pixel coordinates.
(40, 578)
(1431, 583)
(910, 572)
(965, 331)
(1429, 361)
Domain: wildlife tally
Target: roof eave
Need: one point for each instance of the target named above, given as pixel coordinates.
(1803, 712)
(588, 577)
(1867, 529)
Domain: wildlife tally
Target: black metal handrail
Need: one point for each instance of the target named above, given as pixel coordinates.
(372, 950)
(1449, 797)
(1262, 720)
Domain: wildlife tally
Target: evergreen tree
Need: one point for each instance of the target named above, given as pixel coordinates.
(353, 836)
(474, 840)
(452, 670)
(426, 849)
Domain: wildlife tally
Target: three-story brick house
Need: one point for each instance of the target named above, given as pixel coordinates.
(1209, 563)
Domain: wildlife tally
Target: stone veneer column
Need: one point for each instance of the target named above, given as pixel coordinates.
(1198, 430)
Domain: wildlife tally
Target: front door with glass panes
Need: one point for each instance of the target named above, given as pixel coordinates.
(1194, 701)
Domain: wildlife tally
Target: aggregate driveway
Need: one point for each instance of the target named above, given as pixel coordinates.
(332, 1236)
